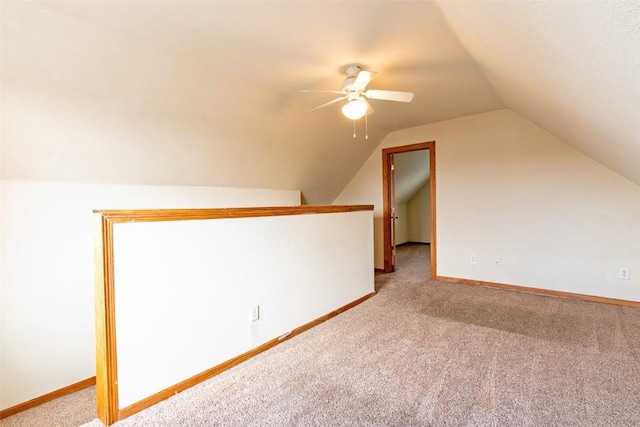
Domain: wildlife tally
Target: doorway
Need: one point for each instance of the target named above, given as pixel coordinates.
(389, 202)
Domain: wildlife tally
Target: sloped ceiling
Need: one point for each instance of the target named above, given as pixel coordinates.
(207, 92)
(411, 173)
(571, 67)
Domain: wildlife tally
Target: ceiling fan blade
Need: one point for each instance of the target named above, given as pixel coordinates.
(329, 103)
(370, 109)
(320, 91)
(363, 79)
(389, 95)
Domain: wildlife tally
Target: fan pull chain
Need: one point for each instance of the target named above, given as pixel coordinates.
(354, 128)
(366, 126)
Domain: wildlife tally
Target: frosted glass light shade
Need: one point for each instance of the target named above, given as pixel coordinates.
(355, 109)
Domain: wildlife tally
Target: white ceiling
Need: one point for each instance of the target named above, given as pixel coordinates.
(288, 46)
(570, 67)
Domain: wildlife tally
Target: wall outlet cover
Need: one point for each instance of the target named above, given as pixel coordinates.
(623, 273)
(255, 313)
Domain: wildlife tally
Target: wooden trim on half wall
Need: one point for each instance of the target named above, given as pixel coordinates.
(546, 292)
(386, 200)
(155, 215)
(47, 397)
(106, 365)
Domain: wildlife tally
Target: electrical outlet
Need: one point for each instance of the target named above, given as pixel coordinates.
(497, 262)
(255, 313)
(623, 273)
(473, 259)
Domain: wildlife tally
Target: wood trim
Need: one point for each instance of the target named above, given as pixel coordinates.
(538, 291)
(432, 206)
(47, 397)
(151, 215)
(386, 202)
(386, 212)
(106, 360)
(203, 376)
(411, 147)
(378, 270)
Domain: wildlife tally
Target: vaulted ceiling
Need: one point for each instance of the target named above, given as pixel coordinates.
(208, 92)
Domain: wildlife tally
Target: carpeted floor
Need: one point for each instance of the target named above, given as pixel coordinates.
(68, 411)
(427, 353)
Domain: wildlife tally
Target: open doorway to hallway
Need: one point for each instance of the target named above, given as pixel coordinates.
(412, 206)
(409, 203)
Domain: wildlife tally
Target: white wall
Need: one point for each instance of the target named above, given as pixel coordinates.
(185, 289)
(402, 224)
(506, 188)
(47, 277)
(419, 216)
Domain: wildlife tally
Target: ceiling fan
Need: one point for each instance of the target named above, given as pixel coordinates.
(354, 91)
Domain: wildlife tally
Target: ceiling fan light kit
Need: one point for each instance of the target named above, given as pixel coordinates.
(355, 109)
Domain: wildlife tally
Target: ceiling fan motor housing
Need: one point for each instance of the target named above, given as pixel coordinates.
(352, 73)
(353, 70)
(347, 85)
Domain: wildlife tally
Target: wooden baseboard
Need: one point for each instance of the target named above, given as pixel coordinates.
(47, 397)
(547, 292)
(379, 270)
(410, 242)
(196, 379)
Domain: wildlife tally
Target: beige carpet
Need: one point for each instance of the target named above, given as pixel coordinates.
(68, 411)
(424, 353)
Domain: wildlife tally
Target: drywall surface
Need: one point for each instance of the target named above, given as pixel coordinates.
(402, 224)
(186, 289)
(570, 67)
(411, 173)
(507, 189)
(132, 112)
(419, 216)
(47, 277)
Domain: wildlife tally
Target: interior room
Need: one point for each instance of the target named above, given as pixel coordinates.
(530, 188)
